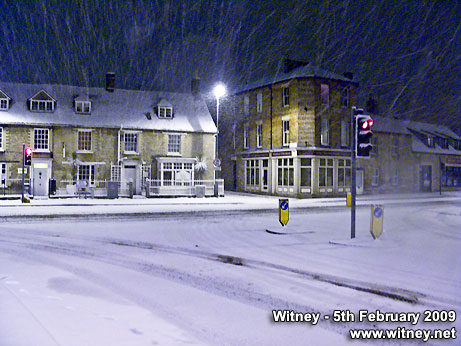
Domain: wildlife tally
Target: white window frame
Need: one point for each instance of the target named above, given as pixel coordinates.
(344, 166)
(375, 177)
(345, 134)
(305, 164)
(395, 176)
(4, 104)
(246, 104)
(285, 132)
(326, 165)
(395, 146)
(252, 173)
(324, 94)
(3, 174)
(2, 148)
(285, 172)
(345, 96)
(44, 146)
(90, 141)
(172, 168)
(165, 112)
(246, 137)
(91, 173)
(130, 135)
(286, 96)
(259, 135)
(174, 144)
(259, 102)
(375, 147)
(325, 131)
(41, 105)
(83, 107)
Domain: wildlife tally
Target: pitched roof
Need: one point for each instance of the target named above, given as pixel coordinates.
(308, 70)
(413, 128)
(120, 108)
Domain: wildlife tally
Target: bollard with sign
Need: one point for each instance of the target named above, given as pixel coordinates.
(283, 211)
(376, 221)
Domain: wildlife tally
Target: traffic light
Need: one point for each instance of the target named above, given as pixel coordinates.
(363, 135)
(27, 156)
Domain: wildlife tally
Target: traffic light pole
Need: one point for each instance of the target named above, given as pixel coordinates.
(353, 172)
(23, 164)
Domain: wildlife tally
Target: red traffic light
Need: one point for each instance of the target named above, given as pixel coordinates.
(367, 124)
(28, 151)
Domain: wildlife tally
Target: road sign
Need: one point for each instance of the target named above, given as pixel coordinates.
(283, 211)
(217, 163)
(376, 221)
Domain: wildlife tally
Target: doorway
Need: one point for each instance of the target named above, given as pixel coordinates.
(40, 176)
(425, 179)
(130, 176)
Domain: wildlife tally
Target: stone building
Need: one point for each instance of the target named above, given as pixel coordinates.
(411, 156)
(289, 134)
(103, 134)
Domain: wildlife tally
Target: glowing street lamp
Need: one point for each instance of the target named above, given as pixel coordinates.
(218, 91)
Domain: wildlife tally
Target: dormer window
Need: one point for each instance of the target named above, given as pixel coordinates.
(4, 101)
(4, 104)
(83, 107)
(42, 102)
(430, 141)
(165, 112)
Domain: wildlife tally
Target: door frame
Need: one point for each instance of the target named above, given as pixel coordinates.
(39, 161)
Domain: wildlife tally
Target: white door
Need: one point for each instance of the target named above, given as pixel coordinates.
(40, 181)
(359, 183)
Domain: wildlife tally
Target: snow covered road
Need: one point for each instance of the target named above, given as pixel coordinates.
(216, 280)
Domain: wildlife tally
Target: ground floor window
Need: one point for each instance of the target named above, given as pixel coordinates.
(3, 174)
(326, 172)
(252, 172)
(451, 176)
(176, 173)
(86, 172)
(285, 176)
(375, 177)
(344, 172)
(395, 176)
(306, 171)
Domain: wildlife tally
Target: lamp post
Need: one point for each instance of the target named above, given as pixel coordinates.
(219, 91)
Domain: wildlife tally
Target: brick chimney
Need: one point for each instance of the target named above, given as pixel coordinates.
(349, 75)
(195, 85)
(110, 81)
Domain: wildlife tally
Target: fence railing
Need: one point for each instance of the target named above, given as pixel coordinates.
(13, 186)
(156, 187)
(99, 188)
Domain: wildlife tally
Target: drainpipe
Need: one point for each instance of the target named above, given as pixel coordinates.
(119, 144)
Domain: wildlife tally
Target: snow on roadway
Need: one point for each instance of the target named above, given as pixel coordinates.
(161, 282)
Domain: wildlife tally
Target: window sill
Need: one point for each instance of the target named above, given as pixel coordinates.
(130, 153)
(174, 154)
(85, 152)
(41, 151)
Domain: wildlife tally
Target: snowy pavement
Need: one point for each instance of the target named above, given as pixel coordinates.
(75, 207)
(204, 279)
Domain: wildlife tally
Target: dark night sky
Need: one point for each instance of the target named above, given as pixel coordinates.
(407, 53)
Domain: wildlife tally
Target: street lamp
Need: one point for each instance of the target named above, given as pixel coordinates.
(218, 91)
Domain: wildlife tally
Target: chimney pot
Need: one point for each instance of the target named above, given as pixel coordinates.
(110, 81)
(349, 75)
(195, 86)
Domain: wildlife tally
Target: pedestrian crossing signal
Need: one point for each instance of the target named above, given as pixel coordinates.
(28, 156)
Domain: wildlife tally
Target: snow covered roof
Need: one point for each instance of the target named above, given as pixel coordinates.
(121, 108)
(308, 70)
(419, 132)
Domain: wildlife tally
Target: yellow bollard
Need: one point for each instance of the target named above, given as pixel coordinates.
(348, 199)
